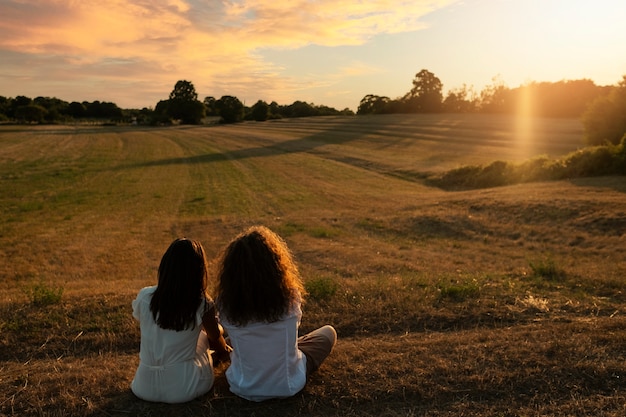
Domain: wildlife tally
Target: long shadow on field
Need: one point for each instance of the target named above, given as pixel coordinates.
(340, 132)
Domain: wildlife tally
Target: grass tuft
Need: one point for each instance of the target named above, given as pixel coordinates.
(322, 288)
(547, 269)
(42, 294)
(458, 291)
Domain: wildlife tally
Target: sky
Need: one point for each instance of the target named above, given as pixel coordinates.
(324, 52)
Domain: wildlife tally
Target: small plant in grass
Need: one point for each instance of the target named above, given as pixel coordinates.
(42, 294)
(322, 233)
(547, 269)
(458, 291)
(321, 289)
(290, 228)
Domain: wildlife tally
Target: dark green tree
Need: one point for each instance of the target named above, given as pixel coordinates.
(209, 106)
(16, 102)
(5, 107)
(30, 113)
(275, 110)
(184, 90)
(426, 95)
(372, 104)
(184, 105)
(260, 111)
(161, 113)
(301, 109)
(103, 110)
(230, 109)
(76, 110)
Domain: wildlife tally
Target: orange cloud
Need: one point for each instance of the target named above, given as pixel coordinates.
(140, 27)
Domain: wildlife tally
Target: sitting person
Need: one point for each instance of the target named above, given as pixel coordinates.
(259, 297)
(178, 327)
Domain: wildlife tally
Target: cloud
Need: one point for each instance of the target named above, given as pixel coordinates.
(324, 22)
(206, 41)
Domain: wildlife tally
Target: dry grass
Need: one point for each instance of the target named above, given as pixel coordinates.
(494, 302)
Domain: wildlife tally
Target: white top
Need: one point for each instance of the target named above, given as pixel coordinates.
(174, 366)
(265, 362)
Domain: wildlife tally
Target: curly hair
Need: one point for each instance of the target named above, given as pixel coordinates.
(181, 286)
(257, 278)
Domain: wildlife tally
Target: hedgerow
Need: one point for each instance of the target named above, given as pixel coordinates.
(592, 161)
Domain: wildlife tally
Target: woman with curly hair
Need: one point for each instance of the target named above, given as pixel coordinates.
(259, 297)
(178, 327)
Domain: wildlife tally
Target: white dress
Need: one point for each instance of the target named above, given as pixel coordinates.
(174, 366)
(266, 362)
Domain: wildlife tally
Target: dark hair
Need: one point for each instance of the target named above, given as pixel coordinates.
(257, 279)
(181, 287)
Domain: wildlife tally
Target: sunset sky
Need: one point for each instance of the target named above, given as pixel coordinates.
(329, 52)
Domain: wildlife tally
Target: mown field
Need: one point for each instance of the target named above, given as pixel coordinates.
(503, 301)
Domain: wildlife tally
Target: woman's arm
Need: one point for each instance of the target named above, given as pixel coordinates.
(216, 334)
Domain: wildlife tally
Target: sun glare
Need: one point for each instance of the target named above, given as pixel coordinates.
(524, 123)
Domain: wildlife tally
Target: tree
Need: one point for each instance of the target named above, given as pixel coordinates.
(230, 109)
(605, 119)
(30, 113)
(160, 114)
(184, 105)
(5, 105)
(184, 91)
(76, 110)
(103, 110)
(260, 111)
(460, 100)
(275, 110)
(372, 104)
(496, 98)
(56, 109)
(209, 106)
(18, 101)
(301, 109)
(426, 95)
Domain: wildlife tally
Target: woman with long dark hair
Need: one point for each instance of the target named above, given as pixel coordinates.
(178, 327)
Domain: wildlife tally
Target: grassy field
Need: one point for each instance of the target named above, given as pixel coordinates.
(503, 301)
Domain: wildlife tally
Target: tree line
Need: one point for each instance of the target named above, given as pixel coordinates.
(547, 99)
(53, 110)
(602, 109)
(182, 107)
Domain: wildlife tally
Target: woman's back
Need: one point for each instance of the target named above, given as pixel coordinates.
(266, 362)
(173, 367)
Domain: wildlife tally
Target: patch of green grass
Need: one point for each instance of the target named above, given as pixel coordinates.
(323, 232)
(321, 288)
(546, 268)
(30, 206)
(457, 290)
(290, 228)
(42, 294)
